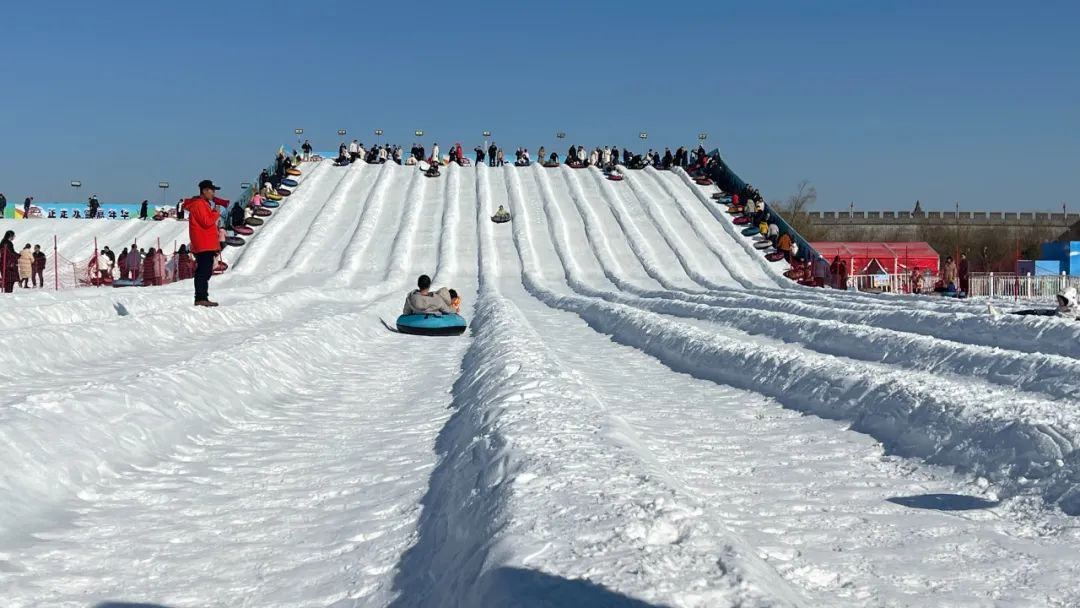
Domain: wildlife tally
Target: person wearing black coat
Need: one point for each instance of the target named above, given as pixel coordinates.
(3, 204)
(479, 155)
(492, 151)
(9, 262)
(143, 209)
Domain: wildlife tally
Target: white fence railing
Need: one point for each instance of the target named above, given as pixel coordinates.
(988, 284)
(1009, 285)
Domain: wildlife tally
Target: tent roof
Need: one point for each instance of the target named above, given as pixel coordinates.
(880, 250)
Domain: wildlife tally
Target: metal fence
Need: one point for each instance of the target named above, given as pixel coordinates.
(985, 284)
(1010, 285)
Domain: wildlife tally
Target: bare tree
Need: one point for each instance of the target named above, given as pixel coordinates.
(795, 208)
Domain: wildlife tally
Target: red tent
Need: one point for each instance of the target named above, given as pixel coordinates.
(894, 257)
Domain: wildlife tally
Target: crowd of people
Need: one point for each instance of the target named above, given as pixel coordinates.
(150, 265)
(24, 268)
(607, 157)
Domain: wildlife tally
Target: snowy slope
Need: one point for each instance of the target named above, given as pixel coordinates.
(622, 425)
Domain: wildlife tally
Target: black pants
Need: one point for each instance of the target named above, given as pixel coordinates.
(204, 269)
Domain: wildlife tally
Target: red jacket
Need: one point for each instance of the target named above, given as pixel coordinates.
(202, 223)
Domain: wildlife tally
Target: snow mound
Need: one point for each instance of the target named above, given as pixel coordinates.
(541, 496)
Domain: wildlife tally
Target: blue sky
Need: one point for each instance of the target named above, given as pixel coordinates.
(877, 103)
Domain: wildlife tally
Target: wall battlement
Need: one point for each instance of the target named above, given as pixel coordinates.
(967, 218)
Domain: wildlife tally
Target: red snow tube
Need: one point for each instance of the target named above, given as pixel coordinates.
(703, 181)
(775, 256)
(244, 230)
(742, 219)
(261, 212)
(733, 210)
(615, 178)
(221, 267)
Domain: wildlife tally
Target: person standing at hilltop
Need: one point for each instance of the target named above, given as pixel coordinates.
(203, 232)
(3, 204)
(26, 207)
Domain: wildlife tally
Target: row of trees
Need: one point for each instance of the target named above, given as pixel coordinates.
(988, 248)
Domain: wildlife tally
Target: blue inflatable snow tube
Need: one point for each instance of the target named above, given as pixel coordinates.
(431, 325)
(269, 204)
(289, 183)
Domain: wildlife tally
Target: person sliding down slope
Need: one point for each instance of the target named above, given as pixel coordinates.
(501, 215)
(423, 302)
(1067, 308)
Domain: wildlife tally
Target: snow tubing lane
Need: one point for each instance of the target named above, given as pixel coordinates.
(290, 183)
(244, 230)
(234, 241)
(271, 204)
(293, 172)
(431, 325)
(742, 219)
(254, 221)
(260, 212)
(750, 230)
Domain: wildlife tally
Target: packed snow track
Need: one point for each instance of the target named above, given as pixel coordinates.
(644, 412)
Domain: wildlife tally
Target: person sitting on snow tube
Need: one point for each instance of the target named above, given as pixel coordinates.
(423, 302)
(501, 215)
(433, 170)
(455, 301)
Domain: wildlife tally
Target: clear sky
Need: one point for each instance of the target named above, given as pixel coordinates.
(876, 102)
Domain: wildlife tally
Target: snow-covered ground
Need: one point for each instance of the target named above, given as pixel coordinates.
(643, 413)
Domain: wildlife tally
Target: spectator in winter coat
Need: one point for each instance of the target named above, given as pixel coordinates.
(9, 261)
(422, 301)
(948, 274)
(103, 267)
(143, 210)
(122, 263)
(479, 155)
(499, 158)
(184, 269)
(26, 207)
(38, 275)
(492, 151)
(149, 269)
(202, 229)
(458, 153)
(3, 204)
(821, 271)
(159, 268)
(26, 265)
(134, 262)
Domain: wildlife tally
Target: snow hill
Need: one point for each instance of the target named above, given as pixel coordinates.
(624, 424)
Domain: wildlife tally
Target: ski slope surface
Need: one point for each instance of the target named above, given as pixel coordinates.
(643, 412)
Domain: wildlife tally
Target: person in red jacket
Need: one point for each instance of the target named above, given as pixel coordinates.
(203, 232)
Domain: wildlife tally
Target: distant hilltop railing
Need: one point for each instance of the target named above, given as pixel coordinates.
(987, 218)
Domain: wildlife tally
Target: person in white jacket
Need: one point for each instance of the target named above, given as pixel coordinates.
(605, 156)
(104, 265)
(353, 146)
(435, 153)
(581, 154)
